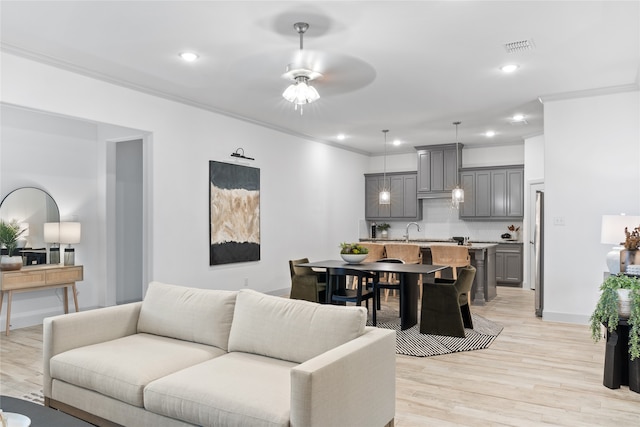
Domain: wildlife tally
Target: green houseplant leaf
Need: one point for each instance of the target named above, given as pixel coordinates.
(606, 310)
(9, 234)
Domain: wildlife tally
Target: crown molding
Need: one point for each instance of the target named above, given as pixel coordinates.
(67, 66)
(632, 87)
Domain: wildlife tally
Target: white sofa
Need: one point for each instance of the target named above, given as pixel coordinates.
(187, 356)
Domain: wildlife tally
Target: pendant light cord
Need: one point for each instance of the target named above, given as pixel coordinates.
(384, 175)
(457, 160)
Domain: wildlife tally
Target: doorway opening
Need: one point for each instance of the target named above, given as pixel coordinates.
(129, 221)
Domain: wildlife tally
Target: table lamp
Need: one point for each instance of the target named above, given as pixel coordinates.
(70, 234)
(612, 232)
(52, 235)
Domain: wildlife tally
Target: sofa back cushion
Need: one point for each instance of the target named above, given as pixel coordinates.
(190, 314)
(292, 330)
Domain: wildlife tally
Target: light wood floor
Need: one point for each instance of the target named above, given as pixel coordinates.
(534, 374)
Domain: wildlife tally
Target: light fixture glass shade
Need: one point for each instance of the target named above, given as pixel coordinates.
(384, 198)
(612, 233)
(70, 232)
(301, 92)
(457, 197)
(52, 232)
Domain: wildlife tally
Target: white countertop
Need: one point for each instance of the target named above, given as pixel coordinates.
(429, 243)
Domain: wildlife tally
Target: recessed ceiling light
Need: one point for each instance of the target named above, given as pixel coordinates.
(341, 137)
(397, 142)
(518, 117)
(189, 56)
(509, 68)
(490, 133)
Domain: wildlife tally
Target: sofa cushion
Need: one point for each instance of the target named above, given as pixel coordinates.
(237, 389)
(199, 315)
(293, 330)
(121, 368)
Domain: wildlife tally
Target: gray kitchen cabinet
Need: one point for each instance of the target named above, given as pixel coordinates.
(477, 194)
(438, 167)
(493, 193)
(404, 200)
(509, 264)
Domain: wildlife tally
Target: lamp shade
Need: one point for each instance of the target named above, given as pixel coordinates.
(52, 232)
(70, 232)
(612, 230)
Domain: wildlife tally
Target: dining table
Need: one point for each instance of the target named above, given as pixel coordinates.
(408, 277)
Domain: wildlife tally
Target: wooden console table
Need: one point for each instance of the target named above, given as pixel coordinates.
(37, 278)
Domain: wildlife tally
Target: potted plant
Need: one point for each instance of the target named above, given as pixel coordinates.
(619, 298)
(382, 228)
(9, 234)
(353, 253)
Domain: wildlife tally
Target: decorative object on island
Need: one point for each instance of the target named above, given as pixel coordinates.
(70, 233)
(614, 228)
(457, 194)
(383, 227)
(52, 235)
(513, 234)
(353, 253)
(384, 198)
(619, 299)
(234, 213)
(300, 92)
(9, 234)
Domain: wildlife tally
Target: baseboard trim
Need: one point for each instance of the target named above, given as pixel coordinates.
(578, 319)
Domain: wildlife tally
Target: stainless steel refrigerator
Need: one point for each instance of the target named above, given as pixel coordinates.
(538, 247)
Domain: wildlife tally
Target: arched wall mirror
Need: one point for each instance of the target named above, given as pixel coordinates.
(31, 208)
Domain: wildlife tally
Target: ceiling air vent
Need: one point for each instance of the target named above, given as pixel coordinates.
(519, 46)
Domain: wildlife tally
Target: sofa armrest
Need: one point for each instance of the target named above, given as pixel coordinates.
(68, 331)
(353, 384)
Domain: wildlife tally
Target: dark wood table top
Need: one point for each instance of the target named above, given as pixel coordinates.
(378, 267)
(40, 416)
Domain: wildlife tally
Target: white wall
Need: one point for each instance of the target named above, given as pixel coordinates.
(591, 156)
(311, 194)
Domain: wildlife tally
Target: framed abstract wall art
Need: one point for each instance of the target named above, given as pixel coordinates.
(234, 213)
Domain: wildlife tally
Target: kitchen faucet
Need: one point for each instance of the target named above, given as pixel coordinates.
(406, 236)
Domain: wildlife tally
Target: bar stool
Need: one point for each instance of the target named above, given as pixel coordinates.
(451, 256)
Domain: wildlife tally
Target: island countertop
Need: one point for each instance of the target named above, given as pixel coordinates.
(483, 258)
(428, 243)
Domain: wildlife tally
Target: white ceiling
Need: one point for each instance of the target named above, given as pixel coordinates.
(410, 67)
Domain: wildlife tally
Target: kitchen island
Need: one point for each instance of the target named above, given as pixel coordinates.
(483, 258)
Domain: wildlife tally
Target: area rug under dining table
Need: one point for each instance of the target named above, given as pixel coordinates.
(411, 342)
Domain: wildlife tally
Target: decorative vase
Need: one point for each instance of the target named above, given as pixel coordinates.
(384, 234)
(624, 303)
(8, 263)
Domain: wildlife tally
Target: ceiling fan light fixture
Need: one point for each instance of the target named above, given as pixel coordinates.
(300, 92)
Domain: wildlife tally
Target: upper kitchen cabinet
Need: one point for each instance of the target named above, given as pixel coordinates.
(493, 193)
(438, 169)
(404, 200)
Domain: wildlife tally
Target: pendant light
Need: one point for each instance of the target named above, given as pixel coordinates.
(384, 198)
(457, 194)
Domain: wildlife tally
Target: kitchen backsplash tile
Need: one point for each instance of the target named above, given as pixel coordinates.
(442, 222)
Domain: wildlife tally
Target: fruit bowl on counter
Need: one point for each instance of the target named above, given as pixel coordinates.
(353, 258)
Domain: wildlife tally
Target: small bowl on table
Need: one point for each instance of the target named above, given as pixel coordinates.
(353, 258)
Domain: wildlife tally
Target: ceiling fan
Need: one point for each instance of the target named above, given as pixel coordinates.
(300, 92)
